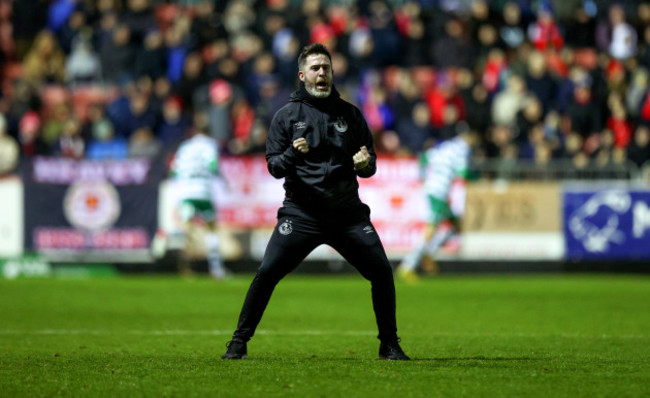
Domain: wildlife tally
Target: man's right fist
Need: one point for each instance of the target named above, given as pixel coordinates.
(301, 145)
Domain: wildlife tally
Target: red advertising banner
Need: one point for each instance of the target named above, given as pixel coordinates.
(250, 197)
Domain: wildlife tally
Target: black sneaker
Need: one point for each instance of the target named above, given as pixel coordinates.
(391, 351)
(236, 350)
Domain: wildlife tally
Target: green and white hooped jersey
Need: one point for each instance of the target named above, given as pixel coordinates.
(195, 165)
(442, 163)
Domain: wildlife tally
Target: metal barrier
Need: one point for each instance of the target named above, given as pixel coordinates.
(516, 170)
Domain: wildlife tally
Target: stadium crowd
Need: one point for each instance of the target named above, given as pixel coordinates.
(541, 81)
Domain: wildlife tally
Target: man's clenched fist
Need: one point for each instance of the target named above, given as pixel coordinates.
(301, 145)
(361, 158)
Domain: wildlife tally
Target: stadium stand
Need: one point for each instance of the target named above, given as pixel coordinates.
(559, 88)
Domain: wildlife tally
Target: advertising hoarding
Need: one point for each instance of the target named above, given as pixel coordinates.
(606, 223)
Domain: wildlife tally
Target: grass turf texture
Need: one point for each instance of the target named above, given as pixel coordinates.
(469, 336)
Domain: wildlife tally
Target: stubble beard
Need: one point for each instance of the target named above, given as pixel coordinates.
(311, 89)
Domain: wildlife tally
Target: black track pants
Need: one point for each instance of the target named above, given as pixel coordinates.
(294, 238)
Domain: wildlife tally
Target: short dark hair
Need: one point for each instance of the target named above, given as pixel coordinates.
(314, 48)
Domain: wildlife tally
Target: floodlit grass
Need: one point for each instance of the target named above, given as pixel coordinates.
(469, 336)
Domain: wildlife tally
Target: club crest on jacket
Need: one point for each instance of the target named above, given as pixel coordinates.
(341, 125)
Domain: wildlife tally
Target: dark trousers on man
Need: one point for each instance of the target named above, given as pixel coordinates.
(295, 236)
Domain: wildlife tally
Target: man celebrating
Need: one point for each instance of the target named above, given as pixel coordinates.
(319, 144)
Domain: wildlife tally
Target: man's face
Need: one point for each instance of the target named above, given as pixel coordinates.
(317, 75)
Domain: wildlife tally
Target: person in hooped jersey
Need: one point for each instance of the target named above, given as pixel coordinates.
(320, 144)
(442, 167)
(194, 167)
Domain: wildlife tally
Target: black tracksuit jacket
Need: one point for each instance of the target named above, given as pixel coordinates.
(325, 178)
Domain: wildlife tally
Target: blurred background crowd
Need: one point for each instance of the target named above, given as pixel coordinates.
(544, 82)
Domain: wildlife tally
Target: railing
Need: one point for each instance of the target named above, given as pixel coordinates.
(507, 169)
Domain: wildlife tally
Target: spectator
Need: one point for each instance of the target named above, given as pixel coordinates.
(207, 25)
(644, 49)
(262, 73)
(117, 55)
(139, 114)
(602, 157)
(507, 165)
(580, 29)
(257, 142)
(494, 71)
(544, 33)
(161, 90)
(9, 151)
(531, 142)
(54, 122)
(151, 60)
(479, 115)
(573, 144)
(83, 65)
(500, 141)
(540, 83)
(636, 92)
(25, 98)
(271, 98)
(143, 144)
(383, 30)
(619, 125)
(285, 50)
(488, 38)
(580, 165)
(68, 34)
(443, 95)
(59, 12)
(513, 29)
(177, 49)
(104, 144)
(174, 123)
(615, 78)
(139, 18)
(528, 118)
(615, 35)
(415, 132)
(45, 62)
(508, 102)
(221, 96)
(405, 96)
(29, 136)
(375, 108)
(639, 150)
(70, 144)
(416, 41)
(584, 112)
(192, 78)
(242, 117)
(96, 114)
(455, 48)
(644, 116)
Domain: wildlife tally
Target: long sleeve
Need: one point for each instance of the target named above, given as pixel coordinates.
(365, 138)
(280, 153)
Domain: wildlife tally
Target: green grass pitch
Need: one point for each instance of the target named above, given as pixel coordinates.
(469, 336)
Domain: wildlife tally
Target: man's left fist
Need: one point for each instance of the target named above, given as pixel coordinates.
(361, 158)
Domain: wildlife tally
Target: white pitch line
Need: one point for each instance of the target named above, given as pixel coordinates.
(181, 332)
(173, 332)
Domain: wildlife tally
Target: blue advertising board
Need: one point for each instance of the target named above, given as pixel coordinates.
(607, 223)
